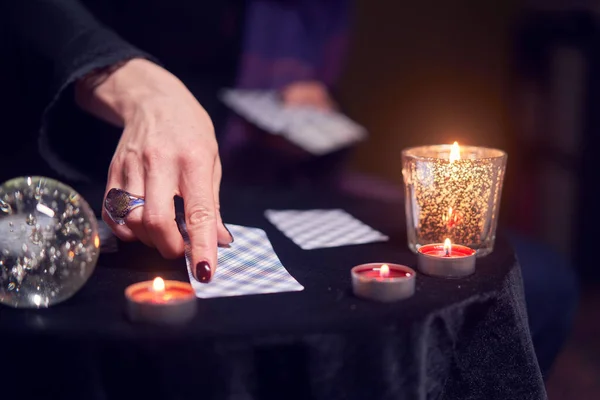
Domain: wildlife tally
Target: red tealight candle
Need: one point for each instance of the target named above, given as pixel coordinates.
(383, 282)
(160, 301)
(447, 259)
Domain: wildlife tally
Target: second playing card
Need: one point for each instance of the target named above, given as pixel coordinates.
(315, 131)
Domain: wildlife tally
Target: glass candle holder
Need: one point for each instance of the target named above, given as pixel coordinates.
(453, 192)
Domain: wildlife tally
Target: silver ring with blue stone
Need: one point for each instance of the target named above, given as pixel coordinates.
(119, 203)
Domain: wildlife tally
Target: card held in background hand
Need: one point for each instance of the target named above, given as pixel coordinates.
(318, 132)
(315, 229)
(248, 266)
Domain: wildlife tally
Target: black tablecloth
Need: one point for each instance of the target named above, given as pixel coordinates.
(455, 339)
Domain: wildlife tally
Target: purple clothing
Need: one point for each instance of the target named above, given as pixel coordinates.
(281, 41)
(284, 42)
(289, 41)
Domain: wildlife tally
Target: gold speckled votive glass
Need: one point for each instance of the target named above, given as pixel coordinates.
(453, 192)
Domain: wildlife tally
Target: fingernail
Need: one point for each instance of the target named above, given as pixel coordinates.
(203, 272)
(228, 231)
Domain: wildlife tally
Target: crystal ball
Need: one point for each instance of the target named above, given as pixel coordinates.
(49, 242)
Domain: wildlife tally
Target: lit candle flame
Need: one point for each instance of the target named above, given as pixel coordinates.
(455, 152)
(158, 285)
(447, 246)
(96, 241)
(384, 271)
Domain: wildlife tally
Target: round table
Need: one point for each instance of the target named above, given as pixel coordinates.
(454, 339)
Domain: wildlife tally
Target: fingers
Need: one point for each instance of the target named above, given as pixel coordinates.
(308, 93)
(154, 223)
(318, 102)
(159, 212)
(133, 182)
(224, 237)
(196, 186)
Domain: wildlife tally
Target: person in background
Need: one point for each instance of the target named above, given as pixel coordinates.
(152, 69)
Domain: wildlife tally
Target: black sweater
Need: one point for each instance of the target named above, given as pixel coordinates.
(52, 43)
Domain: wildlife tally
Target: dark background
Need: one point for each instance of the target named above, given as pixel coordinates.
(503, 74)
(519, 75)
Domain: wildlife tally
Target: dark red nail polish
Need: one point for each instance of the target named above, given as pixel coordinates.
(203, 272)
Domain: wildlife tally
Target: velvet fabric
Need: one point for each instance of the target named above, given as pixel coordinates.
(455, 339)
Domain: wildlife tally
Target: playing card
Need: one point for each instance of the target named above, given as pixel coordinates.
(248, 266)
(316, 131)
(259, 107)
(314, 229)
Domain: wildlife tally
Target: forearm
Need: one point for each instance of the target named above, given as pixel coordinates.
(116, 92)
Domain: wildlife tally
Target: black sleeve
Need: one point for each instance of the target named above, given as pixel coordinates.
(62, 42)
(66, 37)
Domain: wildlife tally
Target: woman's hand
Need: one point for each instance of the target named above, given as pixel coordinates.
(308, 93)
(167, 148)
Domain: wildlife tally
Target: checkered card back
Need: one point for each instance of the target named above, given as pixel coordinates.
(248, 266)
(313, 130)
(316, 229)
